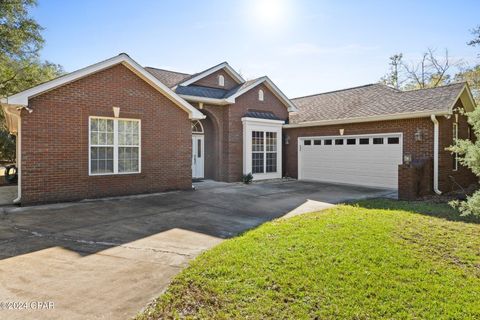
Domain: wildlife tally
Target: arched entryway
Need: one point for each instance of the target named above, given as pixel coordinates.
(208, 132)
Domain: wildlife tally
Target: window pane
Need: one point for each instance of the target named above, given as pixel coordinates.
(338, 141)
(377, 140)
(257, 141)
(271, 141)
(352, 141)
(328, 142)
(271, 162)
(307, 142)
(364, 140)
(199, 148)
(128, 133)
(317, 142)
(101, 159)
(128, 159)
(257, 162)
(393, 140)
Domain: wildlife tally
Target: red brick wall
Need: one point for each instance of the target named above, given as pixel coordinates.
(234, 138)
(212, 81)
(448, 178)
(55, 139)
(418, 149)
(227, 150)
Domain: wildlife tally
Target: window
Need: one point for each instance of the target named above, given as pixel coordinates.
(264, 152)
(455, 154)
(317, 142)
(328, 142)
(307, 142)
(221, 80)
(364, 141)
(352, 141)
(377, 140)
(197, 127)
(338, 142)
(260, 95)
(114, 146)
(393, 140)
(271, 144)
(257, 151)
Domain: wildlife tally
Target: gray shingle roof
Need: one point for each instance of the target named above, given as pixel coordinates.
(373, 100)
(261, 115)
(167, 77)
(200, 91)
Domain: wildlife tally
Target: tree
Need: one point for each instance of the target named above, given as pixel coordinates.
(392, 78)
(469, 156)
(429, 72)
(20, 65)
(476, 40)
(468, 150)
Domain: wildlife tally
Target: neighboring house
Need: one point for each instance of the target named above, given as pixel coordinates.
(116, 128)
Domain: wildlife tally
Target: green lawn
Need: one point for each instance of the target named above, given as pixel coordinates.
(377, 259)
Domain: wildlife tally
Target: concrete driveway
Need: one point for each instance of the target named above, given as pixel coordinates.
(107, 259)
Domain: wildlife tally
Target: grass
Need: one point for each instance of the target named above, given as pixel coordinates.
(377, 259)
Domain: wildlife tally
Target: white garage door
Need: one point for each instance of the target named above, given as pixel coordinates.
(370, 160)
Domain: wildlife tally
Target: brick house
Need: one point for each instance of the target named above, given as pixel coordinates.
(117, 128)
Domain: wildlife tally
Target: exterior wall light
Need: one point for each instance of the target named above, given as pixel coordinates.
(286, 139)
(418, 135)
(116, 112)
(342, 131)
(407, 159)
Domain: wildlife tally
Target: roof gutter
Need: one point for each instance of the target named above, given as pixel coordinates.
(435, 154)
(399, 116)
(206, 100)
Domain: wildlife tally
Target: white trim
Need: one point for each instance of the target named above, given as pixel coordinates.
(435, 154)
(470, 96)
(205, 99)
(221, 80)
(455, 139)
(115, 147)
(263, 121)
(22, 98)
(224, 65)
(264, 125)
(261, 95)
(269, 83)
(400, 116)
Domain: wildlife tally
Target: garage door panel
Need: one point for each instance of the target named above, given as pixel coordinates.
(369, 165)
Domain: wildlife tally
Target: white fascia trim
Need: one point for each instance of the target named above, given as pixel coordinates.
(263, 121)
(436, 137)
(399, 116)
(204, 99)
(470, 97)
(224, 65)
(21, 98)
(276, 91)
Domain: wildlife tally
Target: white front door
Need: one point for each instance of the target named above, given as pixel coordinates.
(197, 156)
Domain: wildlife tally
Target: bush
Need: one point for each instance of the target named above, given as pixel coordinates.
(247, 178)
(469, 156)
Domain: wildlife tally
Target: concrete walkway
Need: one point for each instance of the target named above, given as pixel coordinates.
(108, 259)
(7, 194)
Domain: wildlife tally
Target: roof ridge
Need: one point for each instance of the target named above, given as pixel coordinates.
(187, 74)
(437, 87)
(339, 90)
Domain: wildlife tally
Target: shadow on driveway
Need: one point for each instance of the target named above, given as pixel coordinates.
(107, 259)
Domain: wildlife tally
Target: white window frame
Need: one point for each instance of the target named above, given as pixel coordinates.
(455, 138)
(261, 95)
(265, 125)
(116, 146)
(221, 80)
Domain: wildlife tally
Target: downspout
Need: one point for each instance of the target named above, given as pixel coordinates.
(18, 157)
(435, 154)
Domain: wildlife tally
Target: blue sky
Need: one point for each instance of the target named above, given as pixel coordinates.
(304, 46)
